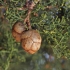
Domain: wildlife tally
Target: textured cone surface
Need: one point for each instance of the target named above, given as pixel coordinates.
(31, 41)
(17, 30)
(19, 27)
(16, 36)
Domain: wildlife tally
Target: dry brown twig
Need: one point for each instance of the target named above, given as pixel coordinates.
(29, 5)
(27, 19)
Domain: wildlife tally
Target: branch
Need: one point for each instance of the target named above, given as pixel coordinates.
(29, 5)
(27, 19)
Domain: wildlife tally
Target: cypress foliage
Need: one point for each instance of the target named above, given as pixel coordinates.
(50, 17)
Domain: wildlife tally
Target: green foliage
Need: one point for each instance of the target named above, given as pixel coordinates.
(55, 33)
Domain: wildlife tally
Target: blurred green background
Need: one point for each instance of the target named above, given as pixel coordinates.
(52, 19)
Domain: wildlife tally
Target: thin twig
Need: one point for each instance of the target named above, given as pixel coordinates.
(29, 5)
(27, 19)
